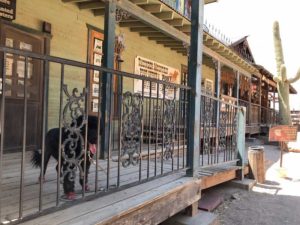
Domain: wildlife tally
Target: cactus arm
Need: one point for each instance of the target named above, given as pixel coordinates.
(294, 79)
(278, 47)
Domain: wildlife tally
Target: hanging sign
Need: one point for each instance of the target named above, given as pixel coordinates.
(283, 133)
(8, 9)
(181, 6)
(148, 68)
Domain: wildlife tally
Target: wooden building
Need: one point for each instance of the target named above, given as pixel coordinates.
(160, 141)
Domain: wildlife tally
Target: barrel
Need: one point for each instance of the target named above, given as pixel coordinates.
(256, 157)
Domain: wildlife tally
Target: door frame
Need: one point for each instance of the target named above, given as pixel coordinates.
(45, 40)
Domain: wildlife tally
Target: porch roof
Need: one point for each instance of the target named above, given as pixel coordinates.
(270, 78)
(161, 23)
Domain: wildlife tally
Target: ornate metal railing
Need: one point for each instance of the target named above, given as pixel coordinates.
(218, 131)
(147, 138)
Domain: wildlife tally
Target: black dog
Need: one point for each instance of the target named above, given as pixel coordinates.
(73, 146)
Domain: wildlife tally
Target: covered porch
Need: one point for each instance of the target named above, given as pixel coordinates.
(152, 141)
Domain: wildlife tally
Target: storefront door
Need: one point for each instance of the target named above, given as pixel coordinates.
(14, 90)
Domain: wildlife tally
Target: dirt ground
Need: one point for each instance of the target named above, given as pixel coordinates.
(276, 202)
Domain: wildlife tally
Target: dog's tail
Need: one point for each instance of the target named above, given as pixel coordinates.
(36, 159)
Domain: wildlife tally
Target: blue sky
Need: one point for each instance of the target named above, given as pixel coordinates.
(238, 18)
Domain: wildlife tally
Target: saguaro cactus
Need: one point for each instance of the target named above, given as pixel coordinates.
(283, 82)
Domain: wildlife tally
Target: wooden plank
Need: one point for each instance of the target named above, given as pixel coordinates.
(151, 207)
(221, 177)
(175, 22)
(152, 34)
(152, 8)
(143, 29)
(91, 5)
(99, 12)
(103, 202)
(167, 15)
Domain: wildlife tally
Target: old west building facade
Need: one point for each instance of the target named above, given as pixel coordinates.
(145, 123)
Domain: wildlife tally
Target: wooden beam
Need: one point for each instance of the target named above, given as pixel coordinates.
(168, 41)
(152, 8)
(140, 2)
(132, 24)
(153, 21)
(69, 1)
(91, 5)
(130, 19)
(99, 12)
(175, 22)
(192, 210)
(167, 15)
(151, 34)
(225, 61)
(181, 48)
(173, 45)
(185, 28)
(143, 29)
(160, 38)
(217, 178)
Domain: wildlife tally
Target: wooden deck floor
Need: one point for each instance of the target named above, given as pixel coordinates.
(11, 180)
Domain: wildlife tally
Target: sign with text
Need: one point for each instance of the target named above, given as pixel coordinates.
(183, 7)
(8, 9)
(283, 133)
(148, 68)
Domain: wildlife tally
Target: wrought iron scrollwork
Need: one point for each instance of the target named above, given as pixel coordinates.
(121, 14)
(234, 131)
(169, 124)
(222, 128)
(131, 128)
(72, 148)
(207, 123)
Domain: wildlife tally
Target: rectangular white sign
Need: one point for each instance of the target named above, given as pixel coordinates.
(148, 68)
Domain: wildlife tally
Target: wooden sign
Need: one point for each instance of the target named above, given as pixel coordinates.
(283, 133)
(8, 9)
(149, 68)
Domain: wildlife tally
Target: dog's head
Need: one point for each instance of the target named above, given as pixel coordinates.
(92, 136)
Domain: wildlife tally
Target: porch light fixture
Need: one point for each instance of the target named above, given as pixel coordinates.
(119, 43)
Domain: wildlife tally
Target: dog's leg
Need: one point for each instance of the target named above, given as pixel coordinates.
(68, 184)
(88, 164)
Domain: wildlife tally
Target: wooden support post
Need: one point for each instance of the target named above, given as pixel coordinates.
(259, 100)
(217, 64)
(192, 210)
(108, 61)
(241, 140)
(281, 152)
(237, 87)
(194, 81)
(250, 103)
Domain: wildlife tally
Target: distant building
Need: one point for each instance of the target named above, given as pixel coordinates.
(295, 114)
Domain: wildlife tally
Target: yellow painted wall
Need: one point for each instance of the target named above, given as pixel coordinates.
(70, 40)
